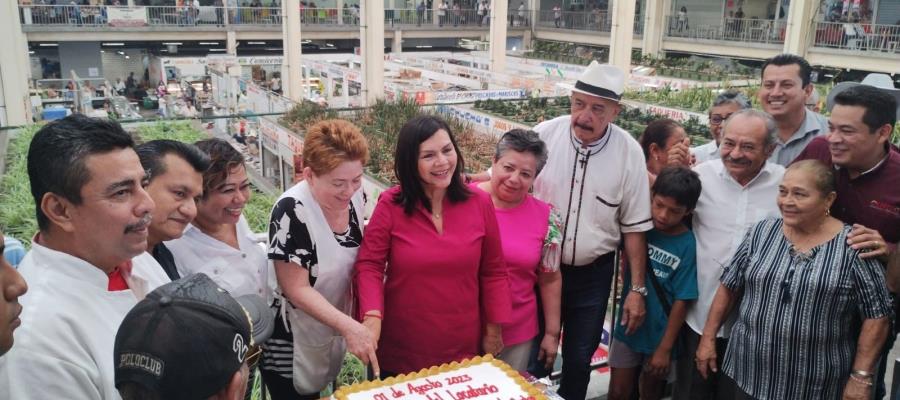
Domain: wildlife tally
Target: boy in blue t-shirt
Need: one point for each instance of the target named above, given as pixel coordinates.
(650, 350)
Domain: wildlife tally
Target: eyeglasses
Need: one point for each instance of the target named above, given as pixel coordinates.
(716, 119)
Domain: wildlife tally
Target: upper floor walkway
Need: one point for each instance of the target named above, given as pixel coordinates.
(840, 44)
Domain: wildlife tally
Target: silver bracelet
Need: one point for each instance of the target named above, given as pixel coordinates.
(862, 374)
(861, 380)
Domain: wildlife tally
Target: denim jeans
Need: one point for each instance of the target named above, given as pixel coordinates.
(585, 293)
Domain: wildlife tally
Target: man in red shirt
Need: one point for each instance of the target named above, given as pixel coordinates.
(868, 169)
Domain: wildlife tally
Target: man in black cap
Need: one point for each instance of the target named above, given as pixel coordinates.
(190, 340)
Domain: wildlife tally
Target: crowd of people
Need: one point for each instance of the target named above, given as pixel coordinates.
(753, 267)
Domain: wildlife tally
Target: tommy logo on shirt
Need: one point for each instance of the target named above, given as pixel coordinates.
(142, 362)
(663, 257)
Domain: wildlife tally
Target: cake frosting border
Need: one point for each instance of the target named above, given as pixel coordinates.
(345, 391)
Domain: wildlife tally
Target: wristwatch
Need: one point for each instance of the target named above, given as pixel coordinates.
(642, 290)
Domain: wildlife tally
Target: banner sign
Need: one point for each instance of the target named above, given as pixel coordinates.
(127, 16)
(472, 95)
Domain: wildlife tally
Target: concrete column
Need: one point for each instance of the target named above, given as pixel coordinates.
(292, 67)
(231, 43)
(799, 26)
(371, 34)
(340, 11)
(434, 12)
(622, 34)
(654, 26)
(14, 69)
(130, 3)
(397, 45)
(499, 18)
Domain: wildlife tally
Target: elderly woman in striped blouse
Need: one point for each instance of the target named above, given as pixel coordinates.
(813, 315)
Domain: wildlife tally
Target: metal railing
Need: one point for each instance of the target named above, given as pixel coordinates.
(100, 15)
(856, 36)
(63, 15)
(747, 30)
(596, 21)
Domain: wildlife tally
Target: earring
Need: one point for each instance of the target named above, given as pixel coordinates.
(656, 158)
(827, 212)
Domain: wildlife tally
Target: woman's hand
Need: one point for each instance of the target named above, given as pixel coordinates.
(659, 363)
(362, 343)
(679, 154)
(549, 348)
(492, 343)
(706, 357)
(857, 390)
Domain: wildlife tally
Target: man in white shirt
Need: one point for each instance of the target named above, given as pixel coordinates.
(723, 106)
(596, 176)
(120, 87)
(786, 84)
(87, 266)
(739, 190)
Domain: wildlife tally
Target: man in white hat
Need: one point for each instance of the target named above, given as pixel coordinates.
(867, 175)
(597, 177)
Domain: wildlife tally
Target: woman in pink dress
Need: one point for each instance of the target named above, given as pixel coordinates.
(430, 275)
(530, 231)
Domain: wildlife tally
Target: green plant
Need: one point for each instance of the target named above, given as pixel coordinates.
(181, 131)
(305, 114)
(17, 217)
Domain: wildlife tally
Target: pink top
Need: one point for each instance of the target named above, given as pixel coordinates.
(440, 288)
(523, 230)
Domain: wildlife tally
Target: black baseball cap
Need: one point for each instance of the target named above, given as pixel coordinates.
(187, 338)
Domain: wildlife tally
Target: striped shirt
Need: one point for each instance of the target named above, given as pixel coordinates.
(800, 315)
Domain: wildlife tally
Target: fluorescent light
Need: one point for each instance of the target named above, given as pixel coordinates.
(48, 45)
(256, 42)
(127, 57)
(209, 43)
(329, 45)
(423, 47)
(216, 49)
(121, 53)
(273, 49)
(113, 44)
(30, 51)
(172, 43)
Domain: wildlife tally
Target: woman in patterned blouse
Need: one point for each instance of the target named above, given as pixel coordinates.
(314, 234)
(529, 232)
(813, 315)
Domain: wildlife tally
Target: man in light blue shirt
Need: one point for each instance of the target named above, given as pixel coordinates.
(786, 84)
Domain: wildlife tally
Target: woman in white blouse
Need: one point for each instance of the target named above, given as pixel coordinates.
(219, 241)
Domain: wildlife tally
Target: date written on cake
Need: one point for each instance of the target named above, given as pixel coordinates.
(430, 390)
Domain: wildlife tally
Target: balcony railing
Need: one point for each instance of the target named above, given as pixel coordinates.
(180, 16)
(596, 21)
(860, 37)
(747, 30)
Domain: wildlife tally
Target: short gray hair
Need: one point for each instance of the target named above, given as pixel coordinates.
(523, 141)
(732, 97)
(771, 128)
